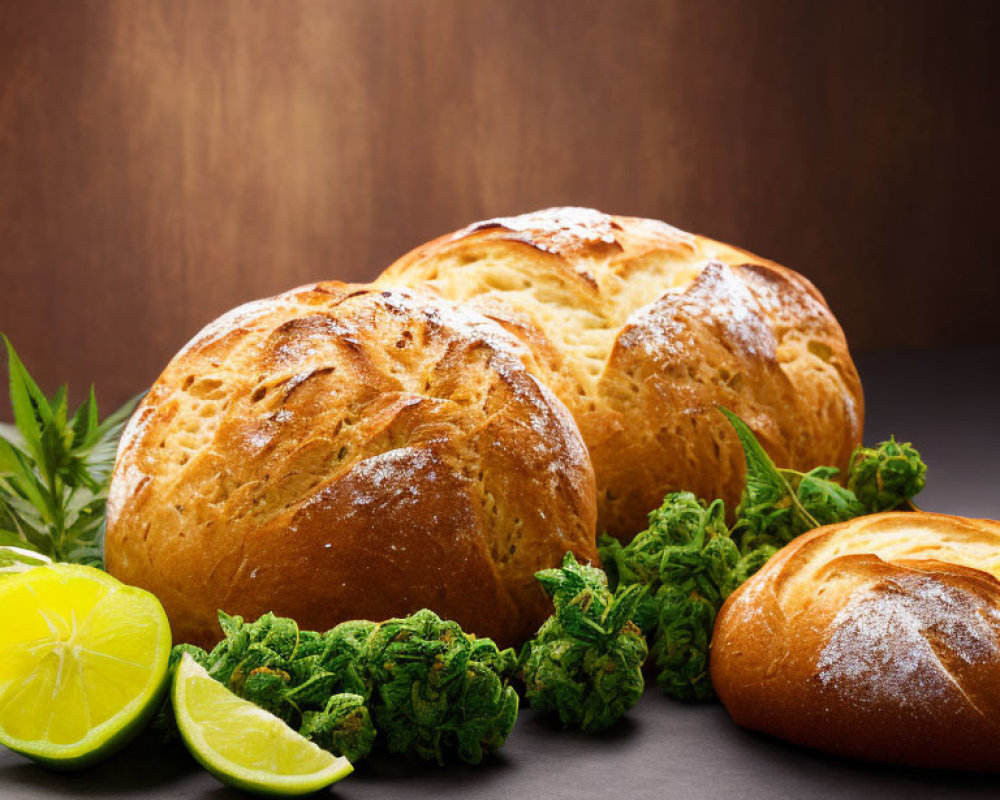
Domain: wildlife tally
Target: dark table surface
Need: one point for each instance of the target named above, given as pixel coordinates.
(944, 401)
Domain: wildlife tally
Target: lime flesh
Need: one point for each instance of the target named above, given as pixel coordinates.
(243, 745)
(83, 663)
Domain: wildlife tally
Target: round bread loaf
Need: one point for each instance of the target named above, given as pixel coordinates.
(337, 452)
(878, 638)
(642, 330)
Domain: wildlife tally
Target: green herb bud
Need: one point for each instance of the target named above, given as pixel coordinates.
(439, 691)
(680, 520)
(749, 564)
(585, 662)
(696, 568)
(887, 476)
(177, 653)
(344, 727)
(680, 647)
(268, 688)
(345, 656)
(825, 500)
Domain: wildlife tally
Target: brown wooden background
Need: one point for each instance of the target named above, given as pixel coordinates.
(163, 161)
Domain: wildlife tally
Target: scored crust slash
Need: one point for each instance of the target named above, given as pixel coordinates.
(360, 487)
(877, 638)
(642, 330)
(343, 452)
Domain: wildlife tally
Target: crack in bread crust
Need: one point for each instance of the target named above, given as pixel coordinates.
(641, 330)
(877, 638)
(323, 455)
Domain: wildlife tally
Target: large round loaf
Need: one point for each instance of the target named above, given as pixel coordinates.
(337, 452)
(877, 638)
(641, 330)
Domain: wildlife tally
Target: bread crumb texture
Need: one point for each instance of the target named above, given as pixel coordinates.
(338, 452)
(642, 330)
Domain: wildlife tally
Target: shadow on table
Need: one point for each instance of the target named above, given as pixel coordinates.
(147, 767)
(385, 767)
(144, 765)
(815, 763)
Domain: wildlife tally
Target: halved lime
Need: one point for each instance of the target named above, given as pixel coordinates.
(243, 745)
(83, 663)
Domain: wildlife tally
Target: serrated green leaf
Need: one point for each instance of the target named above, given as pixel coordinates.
(13, 539)
(760, 468)
(7, 519)
(31, 534)
(84, 422)
(766, 485)
(17, 443)
(30, 510)
(76, 502)
(101, 457)
(16, 557)
(59, 406)
(75, 474)
(25, 416)
(54, 471)
(84, 537)
(10, 464)
(12, 435)
(112, 426)
(23, 486)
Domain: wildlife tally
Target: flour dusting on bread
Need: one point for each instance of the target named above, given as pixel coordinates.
(642, 330)
(899, 638)
(556, 230)
(876, 638)
(342, 436)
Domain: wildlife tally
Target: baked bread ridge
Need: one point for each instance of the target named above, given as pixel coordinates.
(876, 638)
(642, 330)
(340, 452)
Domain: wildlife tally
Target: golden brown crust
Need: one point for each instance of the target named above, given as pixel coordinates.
(338, 452)
(877, 638)
(642, 330)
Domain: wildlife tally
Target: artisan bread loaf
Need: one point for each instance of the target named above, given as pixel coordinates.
(877, 638)
(337, 452)
(642, 330)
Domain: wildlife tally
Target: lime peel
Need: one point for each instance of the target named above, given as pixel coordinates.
(243, 745)
(83, 663)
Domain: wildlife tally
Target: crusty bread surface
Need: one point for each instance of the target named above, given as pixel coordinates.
(642, 330)
(337, 452)
(877, 638)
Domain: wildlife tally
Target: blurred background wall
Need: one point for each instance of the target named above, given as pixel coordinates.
(161, 162)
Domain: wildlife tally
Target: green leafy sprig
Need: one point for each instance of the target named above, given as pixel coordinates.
(691, 562)
(55, 468)
(585, 662)
(779, 504)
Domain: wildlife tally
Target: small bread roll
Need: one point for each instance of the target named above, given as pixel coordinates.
(642, 330)
(878, 638)
(337, 452)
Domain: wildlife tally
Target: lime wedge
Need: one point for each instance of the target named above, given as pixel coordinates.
(83, 663)
(243, 745)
